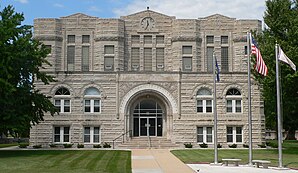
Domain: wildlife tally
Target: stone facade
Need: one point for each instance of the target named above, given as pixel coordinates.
(146, 58)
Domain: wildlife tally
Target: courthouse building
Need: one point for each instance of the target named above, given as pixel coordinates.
(147, 76)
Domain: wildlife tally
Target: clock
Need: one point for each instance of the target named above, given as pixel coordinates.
(147, 23)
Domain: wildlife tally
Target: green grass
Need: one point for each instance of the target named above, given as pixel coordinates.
(65, 161)
(290, 155)
(8, 145)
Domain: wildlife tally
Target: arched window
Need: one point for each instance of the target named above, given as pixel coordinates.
(92, 100)
(204, 100)
(62, 100)
(234, 101)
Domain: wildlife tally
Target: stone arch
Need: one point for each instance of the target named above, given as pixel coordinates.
(166, 95)
(56, 87)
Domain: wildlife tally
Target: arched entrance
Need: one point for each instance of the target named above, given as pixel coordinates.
(148, 104)
(147, 117)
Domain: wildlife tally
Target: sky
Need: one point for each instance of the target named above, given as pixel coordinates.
(182, 9)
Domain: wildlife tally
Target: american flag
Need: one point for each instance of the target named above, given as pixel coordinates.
(260, 64)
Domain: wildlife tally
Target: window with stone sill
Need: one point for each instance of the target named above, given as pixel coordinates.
(234, 134)
(205, 135)
(91, 134)
(204, 101)
(92, 100)
(61, 134)
(62, 100)
(233, 101)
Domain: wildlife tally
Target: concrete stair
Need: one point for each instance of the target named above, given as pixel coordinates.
(143, 143)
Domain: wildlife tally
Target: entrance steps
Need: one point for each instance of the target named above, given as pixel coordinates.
(143, 143)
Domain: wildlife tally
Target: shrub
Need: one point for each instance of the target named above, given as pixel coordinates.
(272, 144)
(67, 145)
(106, 145)
(97, 146)
(36, 146)
(262, 145)
(203, 145)
(53, 145)
(233, 146)
(219, 145)
(188, 145)
(245, 146)
(23, 145)
(80, 145)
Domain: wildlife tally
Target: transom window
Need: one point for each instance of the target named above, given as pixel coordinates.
(205, 134)
(234, 101)
(92, 100)
(204, 100)
(234, 134)
(62, 100)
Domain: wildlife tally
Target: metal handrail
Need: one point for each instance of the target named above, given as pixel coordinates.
(122, 135)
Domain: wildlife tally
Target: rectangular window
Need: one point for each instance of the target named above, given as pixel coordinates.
(186, 50)
(135, 39)
(92, 105)
(205, 135)
(245, 50)
(160, 54)
(204, 106)
(71, 39)
(147, 39)
(210, 39)
(148, 59)
(86, 39)
(109, 64)
(209, 58)
(85, 58)
(187, 63)
(109, 49)
(61, 134)
(224, 40)
(70, 58)
(91, 135)
(234, 105)
(135, 59)
(234, 134)
(224, 59)
(160, 39)
(63, 105)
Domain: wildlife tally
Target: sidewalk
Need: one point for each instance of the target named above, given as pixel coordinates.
(157, 161)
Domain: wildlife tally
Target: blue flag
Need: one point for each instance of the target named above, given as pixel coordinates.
(216, 70)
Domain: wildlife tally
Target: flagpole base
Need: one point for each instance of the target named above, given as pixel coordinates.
(215, 164)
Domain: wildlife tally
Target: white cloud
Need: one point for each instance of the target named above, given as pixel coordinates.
(58, 5)
(22, 1)
(240, 9)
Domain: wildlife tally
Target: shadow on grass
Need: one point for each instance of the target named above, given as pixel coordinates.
(24, 153)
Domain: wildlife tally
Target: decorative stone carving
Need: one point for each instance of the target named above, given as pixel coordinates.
(109, 38)
(186, 38)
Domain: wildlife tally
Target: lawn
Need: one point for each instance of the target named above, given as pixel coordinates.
(65, 161)
(290, 155)
(8, 145)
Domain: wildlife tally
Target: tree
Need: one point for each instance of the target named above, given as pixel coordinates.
(21, 58)
(281, 18)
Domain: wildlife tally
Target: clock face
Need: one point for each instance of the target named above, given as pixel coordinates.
(147, 23)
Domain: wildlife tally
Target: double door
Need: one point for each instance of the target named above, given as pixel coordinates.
(148, 126)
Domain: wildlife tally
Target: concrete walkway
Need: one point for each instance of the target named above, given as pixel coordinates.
(157, 161)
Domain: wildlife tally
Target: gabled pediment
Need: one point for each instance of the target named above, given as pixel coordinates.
(217, 17)
(78, 15)
(147, 13)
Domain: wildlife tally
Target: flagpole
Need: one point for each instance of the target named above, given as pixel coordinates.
(278, 109)
(215, 111)
(249, 101)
